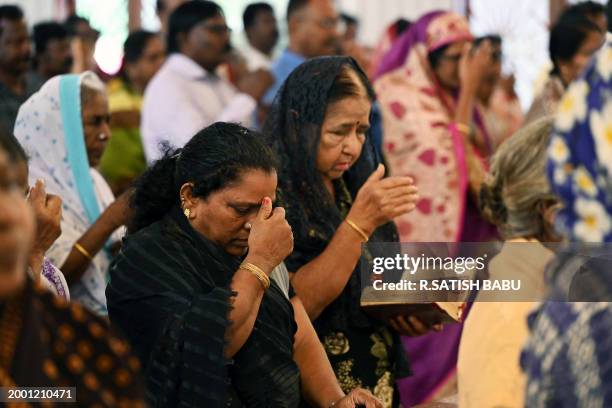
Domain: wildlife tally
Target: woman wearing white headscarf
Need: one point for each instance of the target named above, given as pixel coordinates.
(64, 129)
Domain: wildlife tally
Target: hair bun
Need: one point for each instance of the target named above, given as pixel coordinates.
(492, 205)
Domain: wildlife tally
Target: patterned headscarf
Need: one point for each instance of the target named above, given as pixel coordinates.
(418, 116)
(430, 32)
(580, 154)
(50, 129)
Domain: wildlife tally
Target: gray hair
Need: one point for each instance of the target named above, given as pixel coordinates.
(91, 84)
(516, 190)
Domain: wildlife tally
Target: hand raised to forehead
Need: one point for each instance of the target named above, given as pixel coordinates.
(270, 238)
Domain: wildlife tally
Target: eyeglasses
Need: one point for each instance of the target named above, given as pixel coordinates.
(329, 23)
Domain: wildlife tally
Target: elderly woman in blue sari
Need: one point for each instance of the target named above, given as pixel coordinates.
(569, 354)
(64, 130)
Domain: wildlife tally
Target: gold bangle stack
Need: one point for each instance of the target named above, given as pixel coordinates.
(83, 251)
(358, 230)
(259, 274)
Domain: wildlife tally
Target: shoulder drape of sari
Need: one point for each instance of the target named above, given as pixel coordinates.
(422, 141)
(419, 143)
(174, 315)
(170, 293)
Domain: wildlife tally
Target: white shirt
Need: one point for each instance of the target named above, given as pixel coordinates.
(182, 99)
(255, 59)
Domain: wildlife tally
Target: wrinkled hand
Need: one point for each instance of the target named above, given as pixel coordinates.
(47, 209)
(271, 238)
(380, 200)
(359, 397)
(474, 65)
(411, 326)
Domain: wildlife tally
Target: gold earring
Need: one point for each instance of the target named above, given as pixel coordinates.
(187, 212)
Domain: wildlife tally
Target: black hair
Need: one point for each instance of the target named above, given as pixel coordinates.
(401, 25)
(567, 36)
(186, 16)
(72, 21)
(213, 159)
(609, 15)
(13, 148)
(348, 19)
(494, 39)
(10, 12)
(44, 33)
(251, 12)
(585, 8)
(345, 86)
(436, 55)
(135, 44)
(294, 6)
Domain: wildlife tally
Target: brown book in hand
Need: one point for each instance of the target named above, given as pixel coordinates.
(429, 313)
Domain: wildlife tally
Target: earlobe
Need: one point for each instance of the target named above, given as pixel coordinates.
(187, 200)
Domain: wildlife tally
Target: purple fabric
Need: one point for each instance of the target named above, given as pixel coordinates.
(417, 33)
(49, 272)
(441, 351)
(475, 227)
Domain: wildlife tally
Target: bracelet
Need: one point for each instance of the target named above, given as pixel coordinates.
(463, 128)
(259, 274)
(358, 230)
(83, 251)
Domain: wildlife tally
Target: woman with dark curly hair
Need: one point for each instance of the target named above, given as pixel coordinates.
(200, 288)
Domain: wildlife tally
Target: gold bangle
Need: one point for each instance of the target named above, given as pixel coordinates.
(259, 274)
(463, 128)
(83, 251)
(358, 230)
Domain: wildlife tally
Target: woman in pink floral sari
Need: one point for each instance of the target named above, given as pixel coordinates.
(426, 85)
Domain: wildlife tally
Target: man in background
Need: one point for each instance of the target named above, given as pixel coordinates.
(187, 94)
(312, 33)
(53, 55)
(351, 26)
(83, 38)
(261, 30)
(14, 64)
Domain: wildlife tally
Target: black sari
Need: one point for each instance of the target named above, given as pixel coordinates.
(363, 351)
(170, 292)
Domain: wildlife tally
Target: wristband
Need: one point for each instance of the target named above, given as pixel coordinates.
(83, 251)
(358, 230)
(259, 274)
